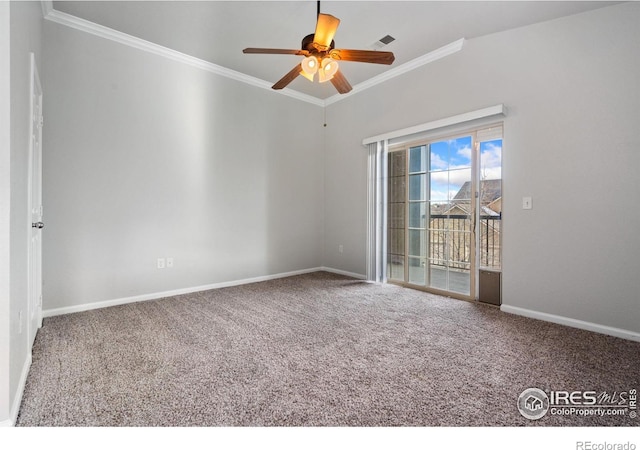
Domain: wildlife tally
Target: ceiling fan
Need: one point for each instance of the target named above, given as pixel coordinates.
(322, 57)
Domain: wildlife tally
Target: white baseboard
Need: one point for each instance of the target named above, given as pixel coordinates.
(17, 399)
(6, 423)
(575, 323)
(359, 276)
(158, 295)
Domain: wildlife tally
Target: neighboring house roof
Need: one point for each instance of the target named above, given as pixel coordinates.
(496, 205)
(486, 211)
(463, 207)
(491, 200)
(490, 189)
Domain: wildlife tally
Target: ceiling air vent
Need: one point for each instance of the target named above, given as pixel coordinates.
(382, 42)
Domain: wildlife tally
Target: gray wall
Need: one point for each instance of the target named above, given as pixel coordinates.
(5, 208)
(147, 158)
(571, 142)
(24, 37)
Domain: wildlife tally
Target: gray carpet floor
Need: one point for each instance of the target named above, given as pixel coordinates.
(313, 350)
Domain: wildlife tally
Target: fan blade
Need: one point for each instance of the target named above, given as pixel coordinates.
(275, 51)
(340, 82)
(366, 56)
(325, 30)
(288, 78)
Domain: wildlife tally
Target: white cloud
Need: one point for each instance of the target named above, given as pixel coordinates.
(437, 162)
(465, 152)
(491, 162)
(439, 196)
(452, 177)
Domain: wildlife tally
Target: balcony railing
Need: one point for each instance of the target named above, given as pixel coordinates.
(450, 241)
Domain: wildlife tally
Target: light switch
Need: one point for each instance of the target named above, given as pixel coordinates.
(526, 203)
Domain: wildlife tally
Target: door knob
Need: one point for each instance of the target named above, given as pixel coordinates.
(37, 225)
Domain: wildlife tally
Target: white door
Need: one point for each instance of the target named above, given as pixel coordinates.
(34, 315)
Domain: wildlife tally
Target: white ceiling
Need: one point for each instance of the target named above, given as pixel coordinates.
(217, 31)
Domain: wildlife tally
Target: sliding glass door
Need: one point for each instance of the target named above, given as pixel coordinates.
(433, 213)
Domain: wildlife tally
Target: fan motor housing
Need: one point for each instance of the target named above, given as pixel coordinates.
(307, 44)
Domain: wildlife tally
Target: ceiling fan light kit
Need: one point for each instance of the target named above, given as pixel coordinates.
(328, 69)
(325, 69)
(322, 57)
(309, 67)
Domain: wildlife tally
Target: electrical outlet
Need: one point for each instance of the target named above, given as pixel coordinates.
(169, 263)
(161, 263)
(340, 248)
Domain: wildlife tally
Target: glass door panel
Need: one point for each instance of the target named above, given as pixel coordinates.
(450, 249)
(490, 203)
(396, 211)
(416, 245)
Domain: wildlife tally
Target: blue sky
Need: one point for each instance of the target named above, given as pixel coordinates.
(450, 164)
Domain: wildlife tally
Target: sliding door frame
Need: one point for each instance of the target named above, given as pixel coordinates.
(474, 262)
(378, 148)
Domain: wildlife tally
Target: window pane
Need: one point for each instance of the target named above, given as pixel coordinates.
(437, 221)
(418, 159)
(460, 281)
(397, 163)
(397, 188)
(439, 156)
(438, 275)
(491, 160)
(416, 242)
(395, 267)
(460, 152)
(395, 218)
(460, 184)
(417, 270)
(439, 187)
(459, 248)
(396, 241)
(417, 187)
(450, 154)
(490, 242)
(490, 203)
(417, 215)
(437, 247)
(396, 197)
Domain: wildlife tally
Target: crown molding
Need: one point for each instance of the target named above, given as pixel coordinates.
(141, 44)
(47, 7)
(420, 61)
(122, 38)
